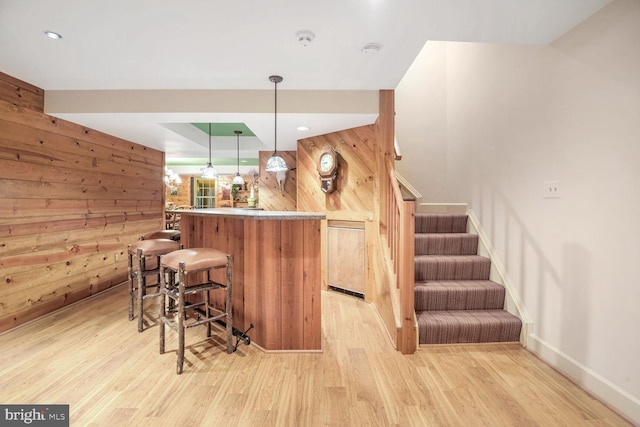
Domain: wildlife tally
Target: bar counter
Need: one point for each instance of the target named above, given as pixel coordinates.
(276, 270)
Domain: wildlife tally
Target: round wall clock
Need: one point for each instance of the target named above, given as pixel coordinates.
(328, 169)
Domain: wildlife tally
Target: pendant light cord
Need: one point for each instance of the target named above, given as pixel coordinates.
(275, 162)
(275, 127)
(209, 143)
(238, 133)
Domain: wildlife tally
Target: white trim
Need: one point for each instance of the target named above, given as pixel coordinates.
(513, 302)
(616, 398)
(396, 149)
(450, 208)
(612, 395)
(402, 180)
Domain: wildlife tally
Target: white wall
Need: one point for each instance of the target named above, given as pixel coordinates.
(515, 117)
(424, 153)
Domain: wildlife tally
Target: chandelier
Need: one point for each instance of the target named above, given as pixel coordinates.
(172, 180)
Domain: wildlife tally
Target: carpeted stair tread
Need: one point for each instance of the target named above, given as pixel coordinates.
(440, 223)
(459, 295)
(469, 326)
(446, 244)
(451, 267)
(455, 301)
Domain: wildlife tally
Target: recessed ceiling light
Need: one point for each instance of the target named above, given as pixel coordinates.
(371, 49)
(305, 37)
(52, 35)
(303, 128)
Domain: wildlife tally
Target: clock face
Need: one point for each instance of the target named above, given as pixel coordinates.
(326, 162)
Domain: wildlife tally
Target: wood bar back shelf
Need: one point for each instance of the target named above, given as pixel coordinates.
(276, 273)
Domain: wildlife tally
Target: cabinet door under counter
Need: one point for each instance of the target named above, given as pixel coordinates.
(346, 256)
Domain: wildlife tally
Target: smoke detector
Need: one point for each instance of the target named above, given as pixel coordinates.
(305, 37)
(371, 49)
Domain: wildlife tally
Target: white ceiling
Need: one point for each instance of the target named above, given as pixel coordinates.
(170, 47)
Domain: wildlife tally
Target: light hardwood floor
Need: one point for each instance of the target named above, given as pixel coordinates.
(91, 357)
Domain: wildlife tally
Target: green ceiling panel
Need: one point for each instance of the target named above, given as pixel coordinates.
(216, 162)
(224, 129)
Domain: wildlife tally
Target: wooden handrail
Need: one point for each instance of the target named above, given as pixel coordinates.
(396, 226)
(400, 238)
(396, 150)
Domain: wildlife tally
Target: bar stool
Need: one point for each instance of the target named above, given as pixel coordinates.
(180, 264)
(162, 234)
(147, 254)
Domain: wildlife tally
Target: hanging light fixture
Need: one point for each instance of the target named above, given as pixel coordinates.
(275, 162)
(210, 172)
(237, 180)
(172, 180)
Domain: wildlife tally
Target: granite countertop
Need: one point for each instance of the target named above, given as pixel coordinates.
(249, 213)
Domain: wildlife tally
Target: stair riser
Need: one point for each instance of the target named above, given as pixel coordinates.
(428, 223)
(451, 269)
(458, 299)
(454, 336)
(446, 244)
(468, 329)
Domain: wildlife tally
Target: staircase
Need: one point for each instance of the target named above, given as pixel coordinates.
(455, 301)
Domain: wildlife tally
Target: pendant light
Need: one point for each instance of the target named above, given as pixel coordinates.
(275, 162)
(237, 180)
(210, 172)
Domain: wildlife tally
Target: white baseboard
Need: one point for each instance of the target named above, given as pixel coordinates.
(610, 394)
(513, 302)
(604, 390)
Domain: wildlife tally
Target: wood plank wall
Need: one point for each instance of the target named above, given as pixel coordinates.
(183, 198)
(271, 198)
(21, 93)
(364, 155)
(71, 199)
(356, 173)
(354, 197)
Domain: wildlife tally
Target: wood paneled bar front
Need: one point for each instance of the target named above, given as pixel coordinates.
(276, 271)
